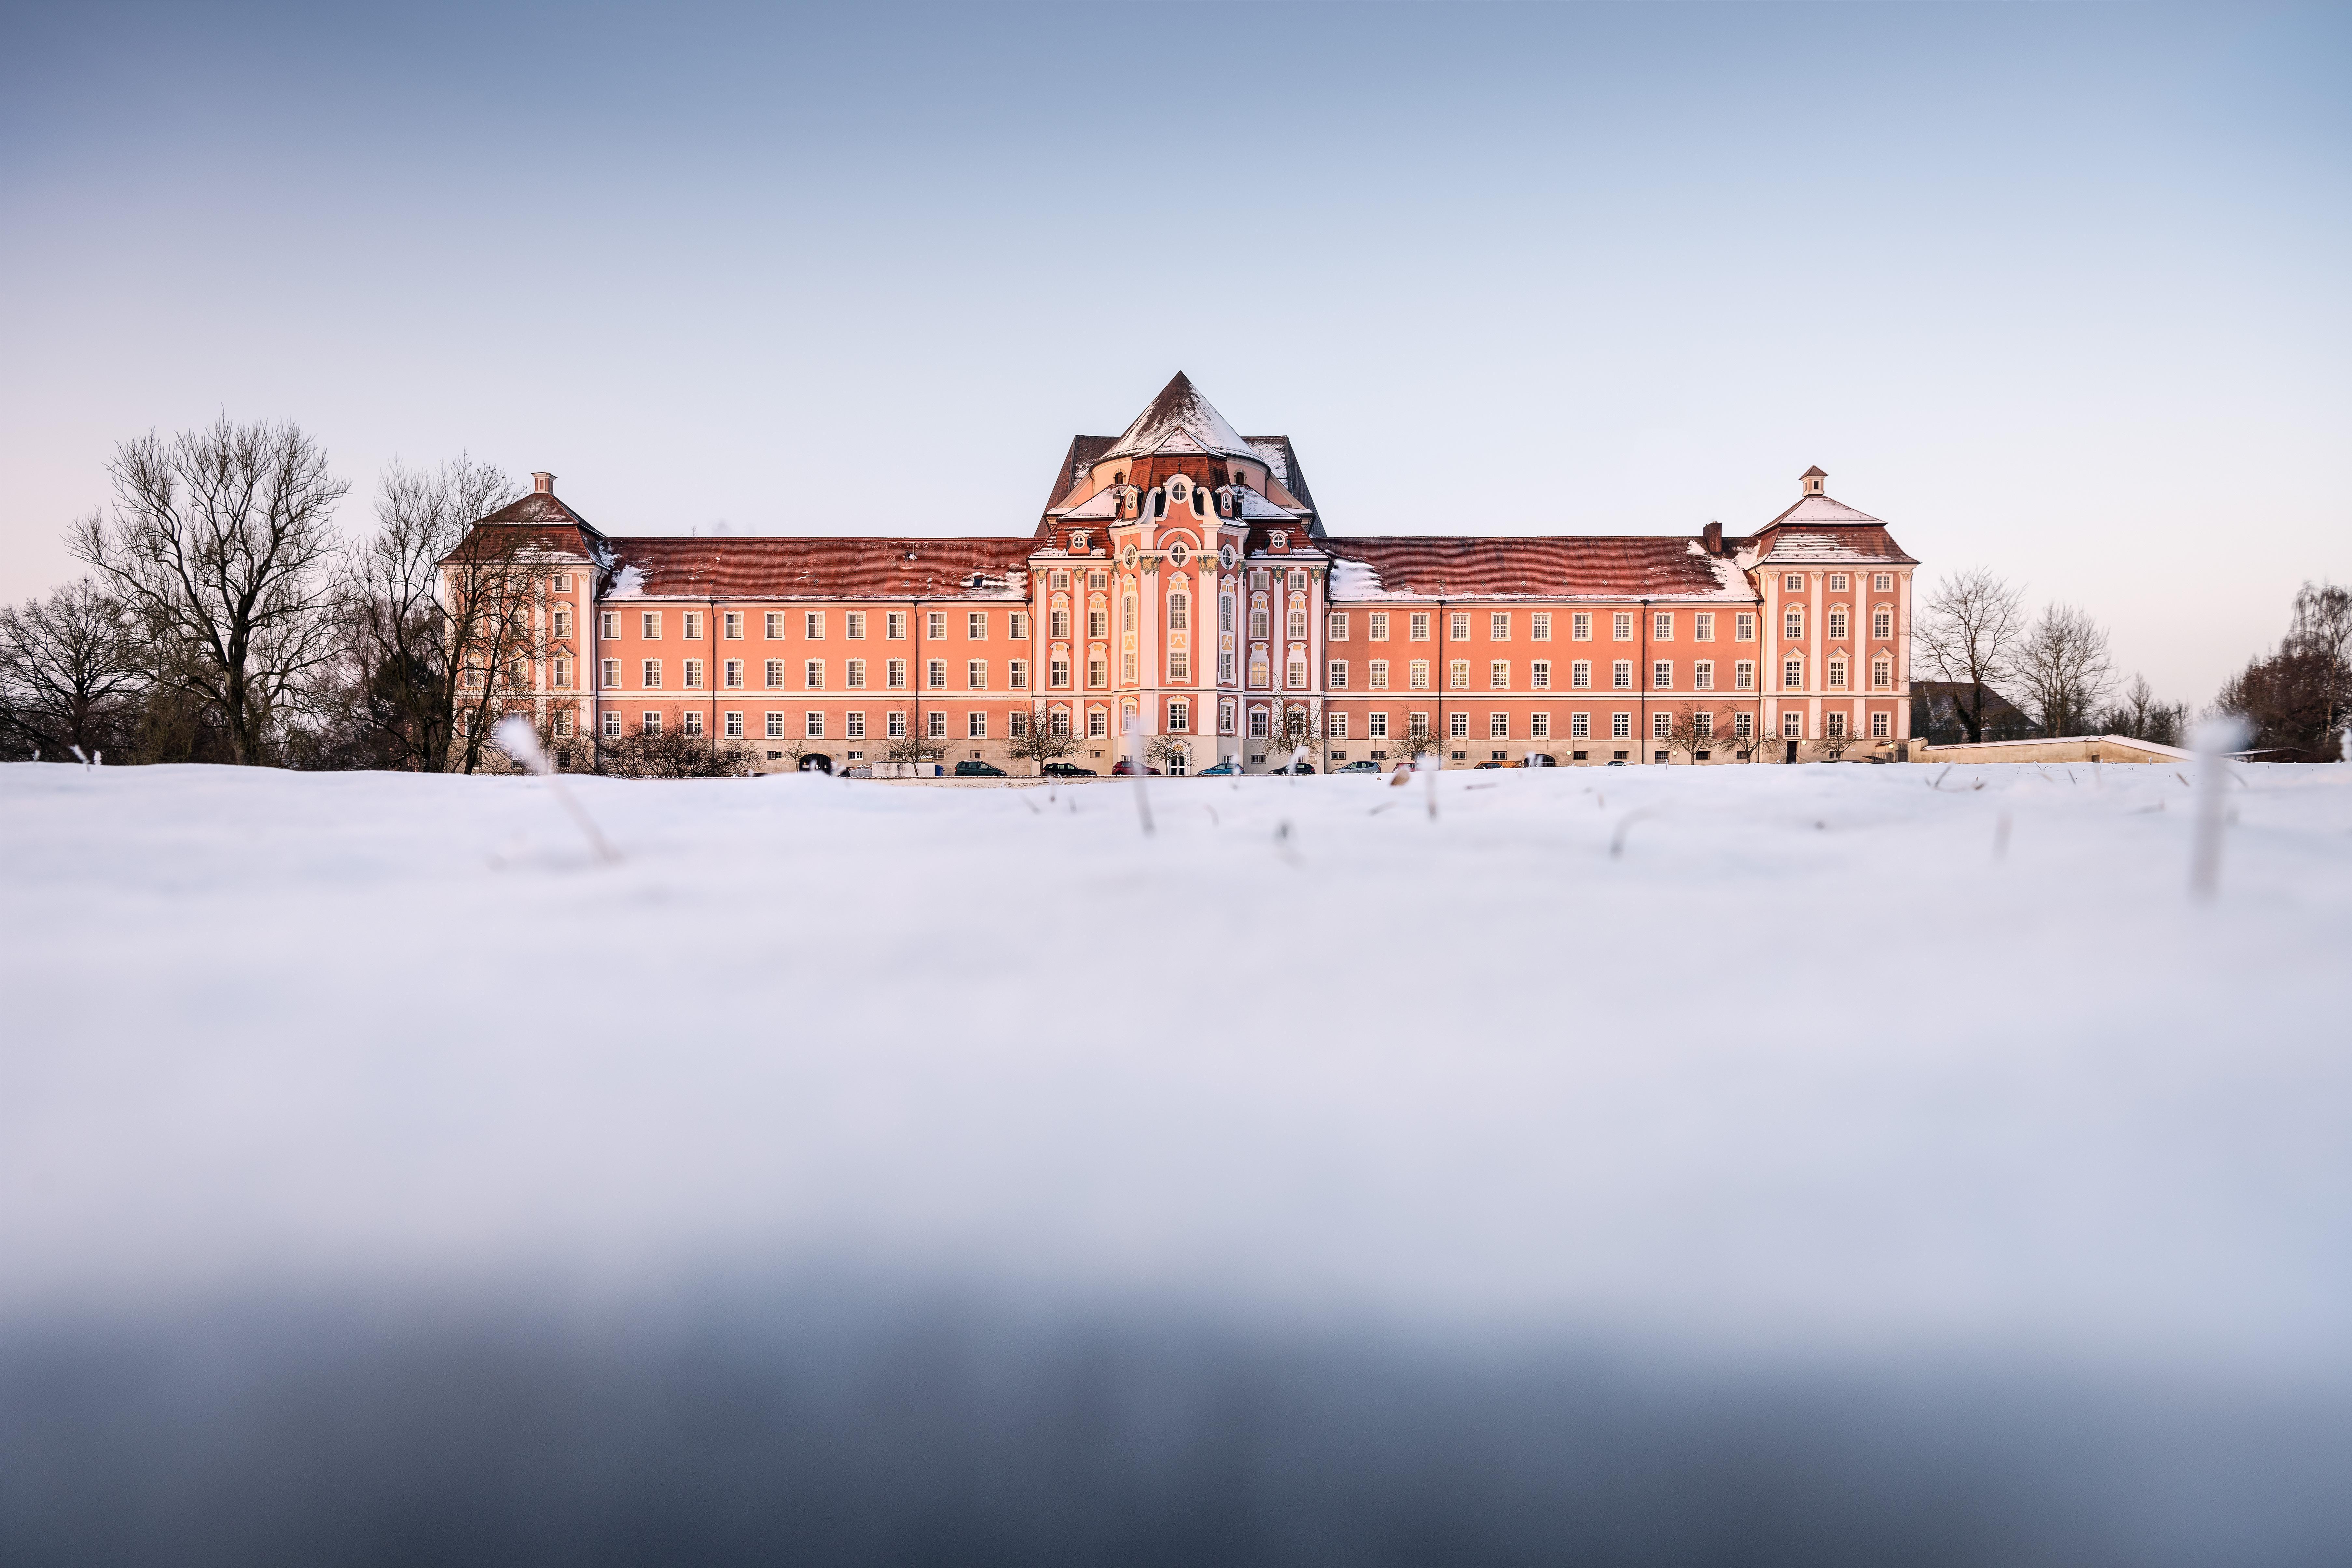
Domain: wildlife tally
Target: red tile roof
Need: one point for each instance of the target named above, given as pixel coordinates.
(670, 568)
(1552, 566)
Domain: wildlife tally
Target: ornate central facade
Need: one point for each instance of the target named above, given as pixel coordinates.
(1181, 579)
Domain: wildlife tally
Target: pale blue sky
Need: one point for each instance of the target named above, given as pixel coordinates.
(2060, 290)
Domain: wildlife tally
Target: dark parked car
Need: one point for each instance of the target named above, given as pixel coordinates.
(1293, 768)
(1491, 765)
(1356, 768)
(972, 768)
(1067, 771)
(1127, 767)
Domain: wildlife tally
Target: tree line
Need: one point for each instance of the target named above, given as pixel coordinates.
(222, 618)
(1985, 668)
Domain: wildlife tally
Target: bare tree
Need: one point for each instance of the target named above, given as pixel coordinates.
(1970, 632)
(70, 670)
(438, 609)
(1836, 740)
(1036, 742)
(2064, 668)
(1410, 747)
(221, 548)
(1694, 730)
(2296, 698)
(2137, 713)
(2322, 632)
(914, 746)
(676, 754)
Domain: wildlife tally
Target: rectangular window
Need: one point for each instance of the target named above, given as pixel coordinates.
(852, 624)
(775, 725)
(1792, 627)
(1225, 717)
(812, 674)
(894, 625)
(1661, 674)
(935, 674)
(1377, 626)
(1743, 725)
(649, 626)
(1017, 626)
(1057, 673)
(1662, 626)
(563, 721)
(1226, 668)
(774, 623)
(1417, 626)
(1743, 675)
(1883, 583)
(564, 620)
(1837, 675)
(1539, 726)
(649, 677)
(608, 624)
(1792, 583)
(693, 632)
(1016, 724)
(856, 726)
(1257, 724)
(975, 726)
(1837, 583)
(1460, 628)
(1540, 675)
(1335, 625)
(1792, 727)
(812, 624)
(1337, 726)
(1620, 625)
(1378, 726)
(1621, 726)
(813, 725)
(1298, 669)
(895, 726)
(1539, 627)
(1882, 674)
(1580, 675)
(1180, 718)
(1379, 675)
(1417, 676)
(1702, 675)
(1744, 626)
(734, 674)
(1059, 619)
(1579, 726)
(776, 671)
(734, 726)
(1882, 725)
(1339, 675)
(1126, 666)
(612, 678)
(1457, 675)
(935, 626)
(1498, 674)
(1580, 627)
(1458, 726)
(649, 722)
(1662, 726)
(694, 675)
(853, 674)
(894, 674)
(731, 628)
(1417, 725)
(1702, 628)
(976, 675)
(975, 626)
(1498, 726)
(1837, 626)
(1499, 627)
(1792, 674)
(1099, 672)
(1016, 673)
(1298, 623)
(1882, 623)
(1180, 666)
(1621, 675)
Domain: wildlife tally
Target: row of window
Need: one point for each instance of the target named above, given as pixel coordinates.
(1623, 625)
(813, 674)
(1579, 725)
(1621, 675)
(733, 625)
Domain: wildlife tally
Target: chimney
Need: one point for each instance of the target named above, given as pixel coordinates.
(1813, 479)
(542, 484)
(1713, 535)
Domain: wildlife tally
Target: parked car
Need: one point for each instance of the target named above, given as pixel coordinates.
(1618, 763)
(1540, 760)
(1293, 768)
(1127, 767)
(972, 768)
(1219, 770)
(1482, 765)
(1360, 767)
(1067, 771)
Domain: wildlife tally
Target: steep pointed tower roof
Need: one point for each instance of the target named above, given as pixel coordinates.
(1180, 414)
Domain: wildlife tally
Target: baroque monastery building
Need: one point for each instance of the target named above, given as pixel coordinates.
(1181, 578)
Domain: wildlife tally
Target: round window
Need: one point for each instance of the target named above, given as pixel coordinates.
(1178, 553)
(1127, 558)
(1225, 557)
(1176, 490)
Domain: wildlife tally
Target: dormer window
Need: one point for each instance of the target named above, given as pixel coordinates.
(1281, 538)
(1079, 540)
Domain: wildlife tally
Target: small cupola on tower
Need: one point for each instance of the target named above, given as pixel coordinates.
(542, 484)
(1813, 480)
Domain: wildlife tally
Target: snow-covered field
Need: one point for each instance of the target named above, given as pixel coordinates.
(1909, 1136)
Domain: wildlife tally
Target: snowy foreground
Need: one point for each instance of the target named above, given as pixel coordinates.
(1742, 1165)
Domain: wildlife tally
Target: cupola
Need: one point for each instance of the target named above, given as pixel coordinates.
(1813, 479)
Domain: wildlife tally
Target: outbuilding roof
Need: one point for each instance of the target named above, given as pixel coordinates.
(1553, 566)
(671, 568)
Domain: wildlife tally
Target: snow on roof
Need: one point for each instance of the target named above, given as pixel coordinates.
(1870, 544)
(1274, 451)
(1180, 410)
(1820, 510)
(1551, 567)
(673, 568)
(1254, 505)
